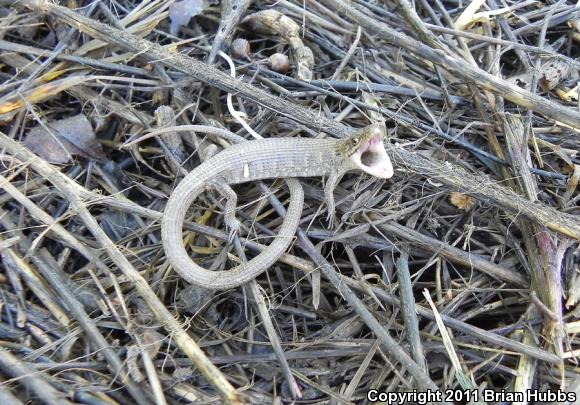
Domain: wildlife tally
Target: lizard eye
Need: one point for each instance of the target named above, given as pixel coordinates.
(354, 141)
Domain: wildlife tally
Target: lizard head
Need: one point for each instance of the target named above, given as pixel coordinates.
(366, 151)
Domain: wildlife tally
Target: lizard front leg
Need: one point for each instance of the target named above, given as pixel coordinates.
(331, 183)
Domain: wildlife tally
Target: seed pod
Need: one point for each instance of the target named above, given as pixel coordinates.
(279, 63)
(240, 48)
(272, 22)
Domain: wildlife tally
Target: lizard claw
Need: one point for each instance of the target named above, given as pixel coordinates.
(330, 219)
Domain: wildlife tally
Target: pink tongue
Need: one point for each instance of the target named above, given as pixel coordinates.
(374, 140)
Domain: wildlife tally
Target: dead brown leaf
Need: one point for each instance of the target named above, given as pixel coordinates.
(58, 141)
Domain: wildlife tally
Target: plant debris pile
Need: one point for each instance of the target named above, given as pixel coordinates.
(458, 278)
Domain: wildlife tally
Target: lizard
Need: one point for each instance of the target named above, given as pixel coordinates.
(285, 158)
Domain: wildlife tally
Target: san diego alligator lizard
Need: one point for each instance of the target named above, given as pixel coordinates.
(262, 159)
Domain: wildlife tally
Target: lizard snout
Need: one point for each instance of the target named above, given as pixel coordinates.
(373, 159)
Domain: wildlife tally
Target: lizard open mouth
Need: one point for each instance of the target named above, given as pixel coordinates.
(372, 158)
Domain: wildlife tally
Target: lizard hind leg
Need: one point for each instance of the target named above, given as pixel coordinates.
(230, 220)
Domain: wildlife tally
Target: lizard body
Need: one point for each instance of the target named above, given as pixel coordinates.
(261, 159)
